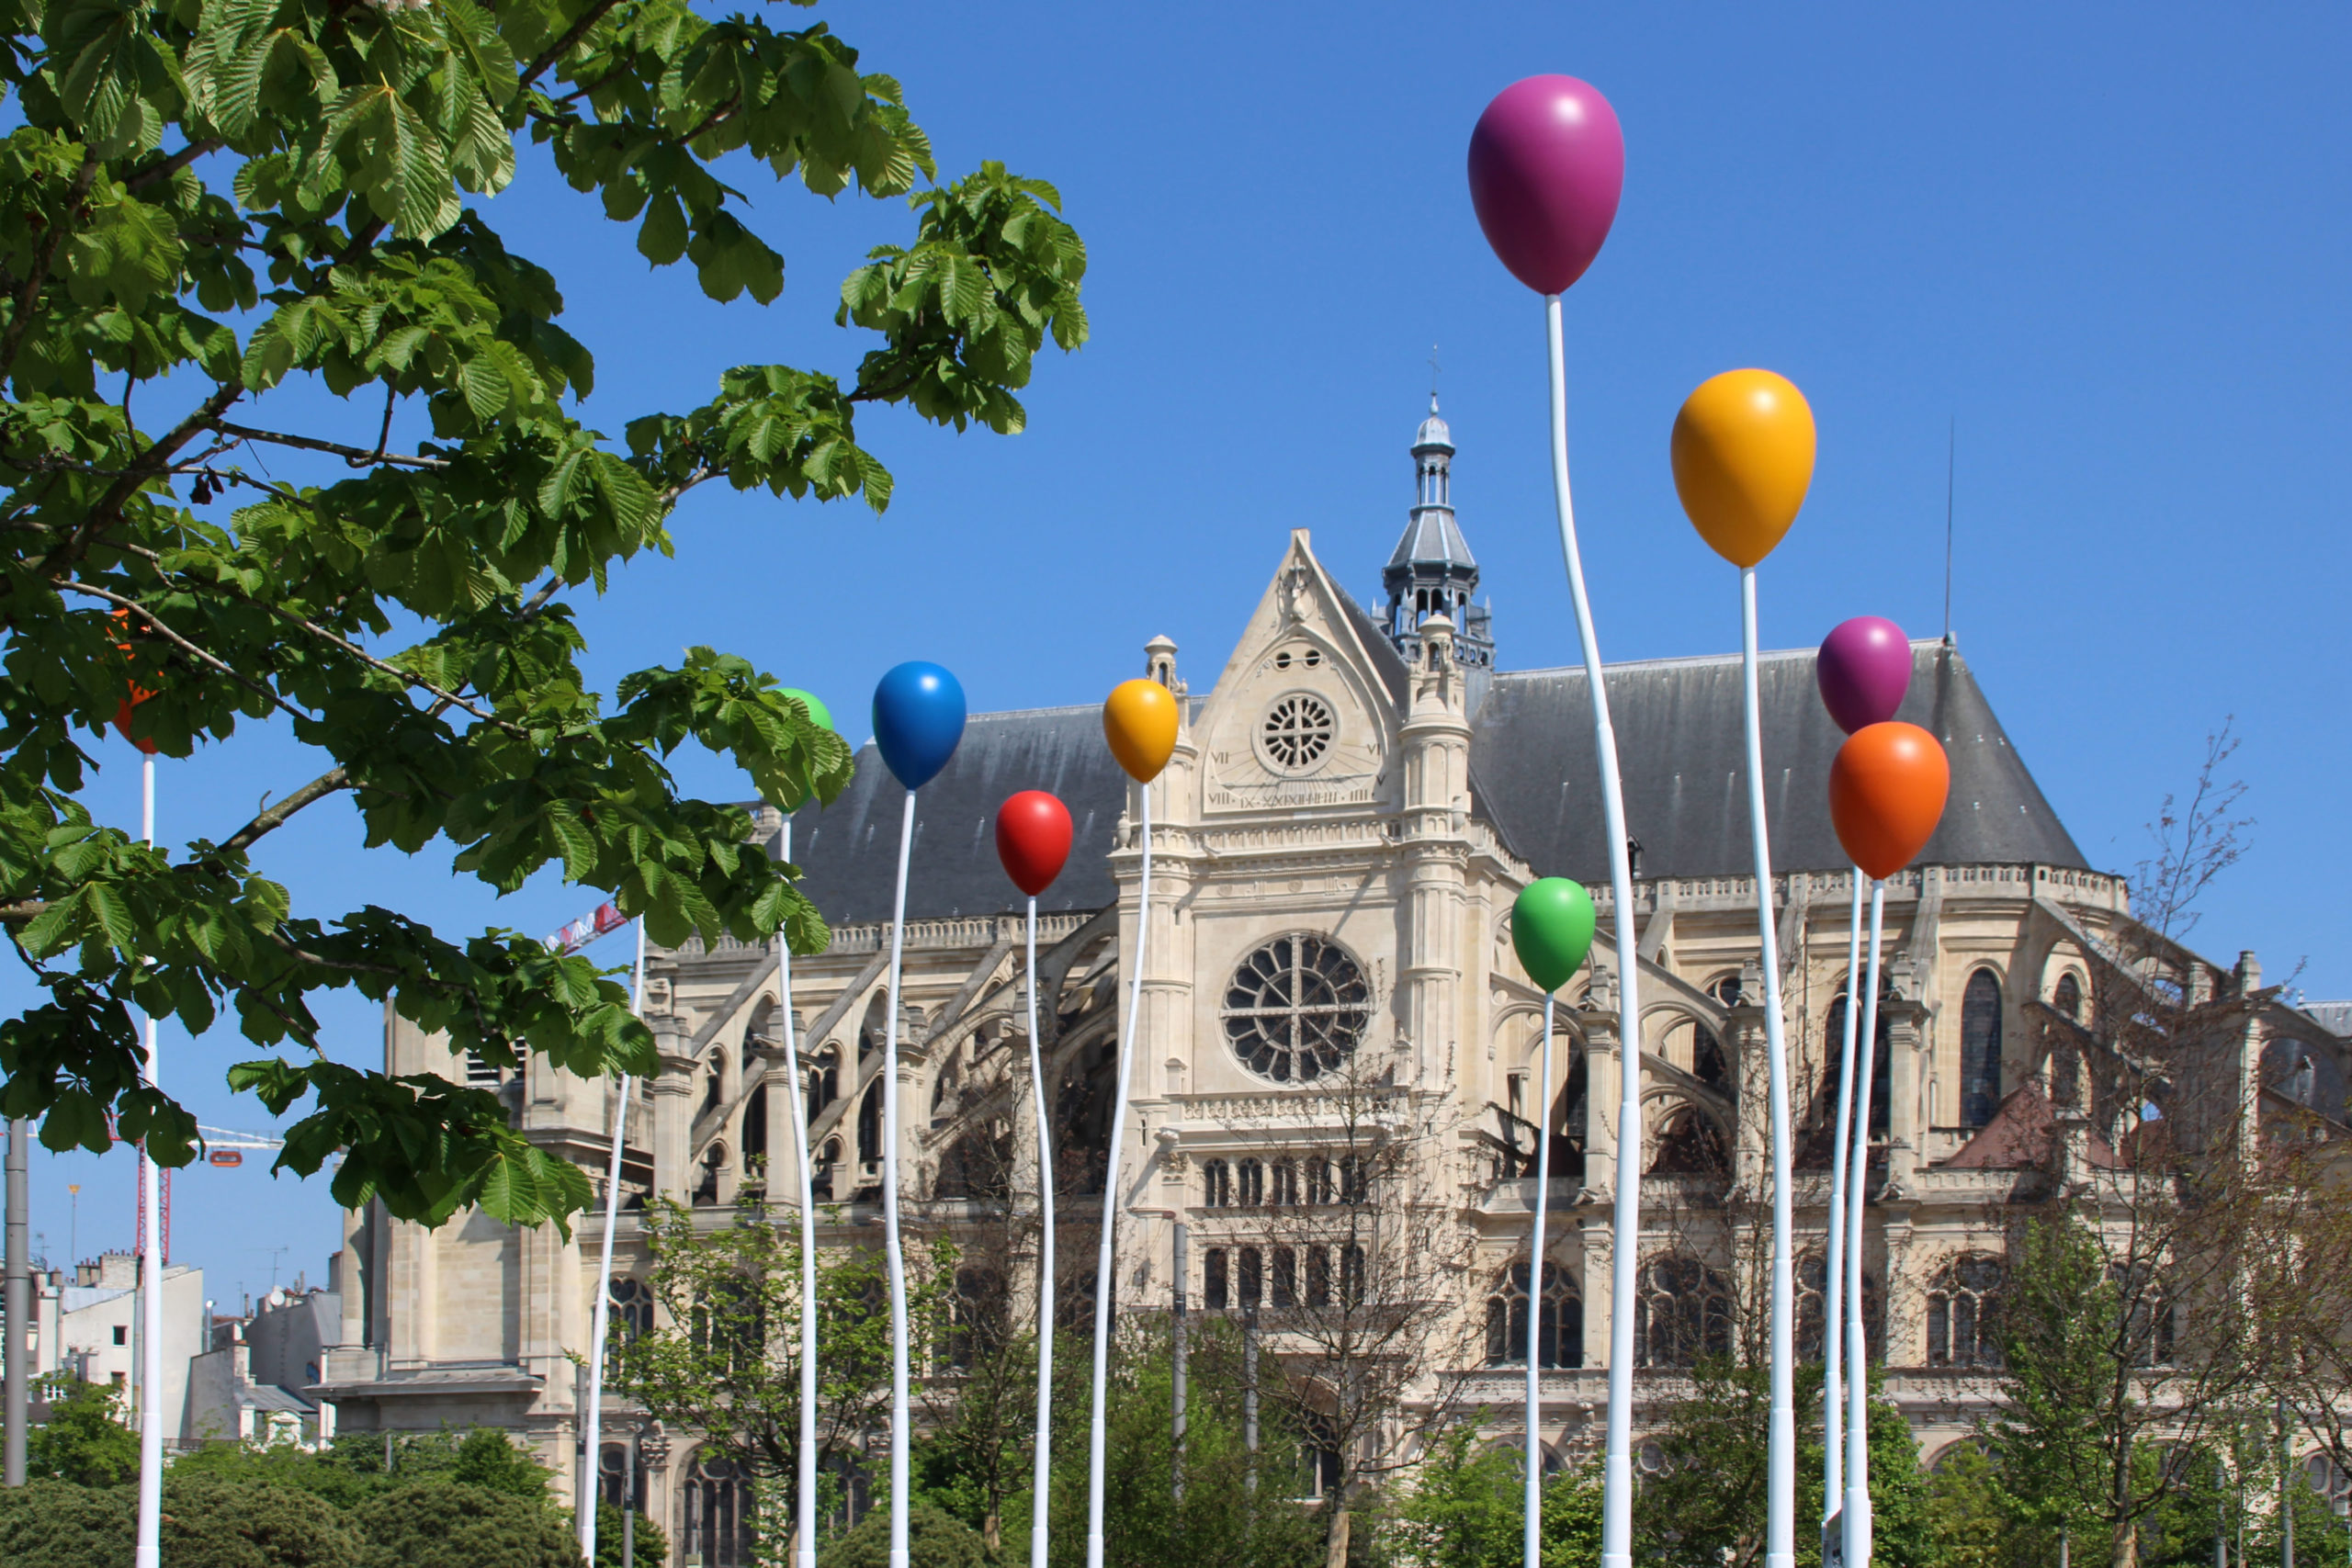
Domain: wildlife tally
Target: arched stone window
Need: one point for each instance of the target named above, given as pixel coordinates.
(1833, 1036)
(1285, 1172)
(1980, 1049)
(1963, 1310)
(630, 1312)
(1252, 1185)
(1813, 1296)
(1689, 1143)
(1217, 1184)
(1215, 1287)
(869, 1125)
(1681, 1313)
(755, 1129)
(1559, 1330)
(978, 1317)
(824, 1080)
(2067, 998)
(719, 1514)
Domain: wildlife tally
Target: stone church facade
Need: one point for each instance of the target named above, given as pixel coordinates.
(1353, 802)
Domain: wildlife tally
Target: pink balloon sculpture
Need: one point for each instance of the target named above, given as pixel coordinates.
(1864, 669)
(1547, 165)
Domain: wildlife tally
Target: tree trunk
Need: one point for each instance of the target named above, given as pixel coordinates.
(992, 1529)
(2126, 1548)
(1337, 1557)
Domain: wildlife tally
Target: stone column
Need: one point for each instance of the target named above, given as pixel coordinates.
(669, 1096)
(1906, 1046)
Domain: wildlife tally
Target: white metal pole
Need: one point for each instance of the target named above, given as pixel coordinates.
(1042, 1485)
(1781, 1489)
(1857, 1451)
(804, 1553)
(1617, 1470)
(151, 1269)
(1833, 1279)
(1128, 1046)
(593, 1418)
(1531, 1529)
(894, 1260)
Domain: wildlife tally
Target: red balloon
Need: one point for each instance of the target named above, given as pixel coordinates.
(1032, 835)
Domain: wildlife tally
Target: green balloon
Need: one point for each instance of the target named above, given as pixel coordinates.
(1552, 928)
(818, 711)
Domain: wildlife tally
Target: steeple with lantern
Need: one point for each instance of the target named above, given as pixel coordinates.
(1431, 572)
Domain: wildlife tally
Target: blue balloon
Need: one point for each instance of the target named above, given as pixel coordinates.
(918, 719)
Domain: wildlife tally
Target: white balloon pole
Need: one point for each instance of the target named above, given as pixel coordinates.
(1040, 1487)
(804, 1553)
(1617, 1472)
(150, 1266)
(1781, 1490)
(1833, 1281)
(1857, 1451)
(893, 1258)
(593, 1419)
(1531, 1537)
(1102, 1279)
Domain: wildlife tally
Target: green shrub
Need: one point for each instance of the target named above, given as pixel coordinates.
(450, 1525)
(214, 1522)
(652, 1546)
(86, 1441)
(936, 1538)
(54, 1524)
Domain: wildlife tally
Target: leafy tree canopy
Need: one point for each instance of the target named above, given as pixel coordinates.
(208, 201)
(86, 1441)
(455, 1523)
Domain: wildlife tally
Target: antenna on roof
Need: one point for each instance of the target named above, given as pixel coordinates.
(1951, 452)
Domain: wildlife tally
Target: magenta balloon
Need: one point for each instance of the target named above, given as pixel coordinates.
(1864, 669)
(1547, 165)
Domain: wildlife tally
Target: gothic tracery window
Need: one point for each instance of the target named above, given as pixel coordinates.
(1683, 1313)
(1882, 1056)
(720, 1518)
(630, 1313)
(1963, 1307)
(1297, 1007)
(1217, 1184)
(1559, 1329)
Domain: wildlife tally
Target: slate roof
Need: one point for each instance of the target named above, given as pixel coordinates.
(1679, 749)
(1532, 774)
(848, 851)
(1432, 535)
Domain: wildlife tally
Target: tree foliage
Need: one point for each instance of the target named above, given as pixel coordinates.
(1465, 1508)
(454, 1523)
(207, 202)
(723, 1358)
(86, 1441)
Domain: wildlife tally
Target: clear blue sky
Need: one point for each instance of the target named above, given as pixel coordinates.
(2110, 245)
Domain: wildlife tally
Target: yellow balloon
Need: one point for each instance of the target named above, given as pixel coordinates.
(1743, 460)
(1139, 720)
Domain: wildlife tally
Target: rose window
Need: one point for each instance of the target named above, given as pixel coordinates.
(1296, 1008)
(1297, 732)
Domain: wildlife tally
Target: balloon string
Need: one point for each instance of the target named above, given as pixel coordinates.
(805, 1504)
(1532, 1538)
(1833, 1324)
(1858, 1454)
(896, 1261)
(1781, 1496)
(1041, 1487)
(1103, 1283)
(1617, 1470)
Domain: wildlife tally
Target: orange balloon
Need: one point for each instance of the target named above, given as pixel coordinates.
(1887, 790)
(1139, 721)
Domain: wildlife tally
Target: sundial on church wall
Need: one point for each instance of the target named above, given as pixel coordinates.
(1297, 733)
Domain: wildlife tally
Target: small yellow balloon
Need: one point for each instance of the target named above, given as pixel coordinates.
(1139, 720)
(1743, 461)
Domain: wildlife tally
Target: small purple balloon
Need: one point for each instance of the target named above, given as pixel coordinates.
(1547, 165)
(1864, 669)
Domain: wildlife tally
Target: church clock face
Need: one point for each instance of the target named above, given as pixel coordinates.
(1296, 1008)
(1295, 735)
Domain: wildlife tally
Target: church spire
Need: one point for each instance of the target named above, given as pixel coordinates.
(1431, 572)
